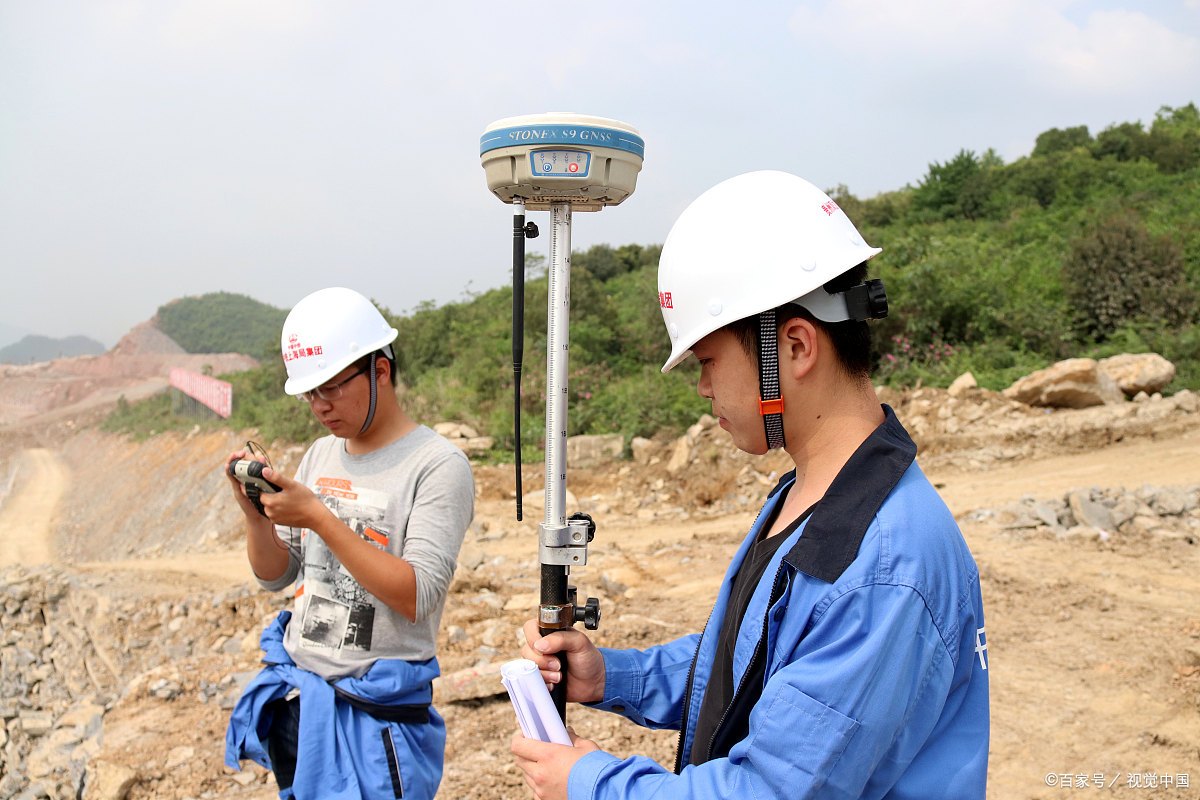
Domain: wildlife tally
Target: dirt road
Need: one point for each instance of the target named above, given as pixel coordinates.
(25, 518)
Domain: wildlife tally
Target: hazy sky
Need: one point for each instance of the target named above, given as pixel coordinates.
(151, 150)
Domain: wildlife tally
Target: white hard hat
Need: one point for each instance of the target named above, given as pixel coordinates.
(751, 244)
(328, 331)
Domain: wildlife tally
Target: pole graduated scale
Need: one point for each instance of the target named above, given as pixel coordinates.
(557, 162)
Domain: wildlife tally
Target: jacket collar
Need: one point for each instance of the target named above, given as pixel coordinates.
(831, 537)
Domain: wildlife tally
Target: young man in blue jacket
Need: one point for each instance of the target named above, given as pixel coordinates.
(846, 655)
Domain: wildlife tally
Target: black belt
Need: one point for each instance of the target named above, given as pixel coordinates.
(412, 714)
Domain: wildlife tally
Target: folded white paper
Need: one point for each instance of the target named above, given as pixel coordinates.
(530, 698)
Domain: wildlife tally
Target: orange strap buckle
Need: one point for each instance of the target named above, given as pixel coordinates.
(766, 407)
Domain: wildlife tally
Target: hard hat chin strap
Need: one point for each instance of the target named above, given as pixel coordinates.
(374, 393)
(770, 403)
(859, 303)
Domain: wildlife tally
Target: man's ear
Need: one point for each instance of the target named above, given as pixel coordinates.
(799, 346)
(383, 369)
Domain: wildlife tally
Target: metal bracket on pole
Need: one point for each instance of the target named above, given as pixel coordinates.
(564, 545)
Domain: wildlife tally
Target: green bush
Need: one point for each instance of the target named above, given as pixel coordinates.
(644, 403)
(1118, 274)
(259, 402)
(148, 417)
(994, 364)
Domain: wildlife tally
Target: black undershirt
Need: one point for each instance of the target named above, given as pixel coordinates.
(720, 690)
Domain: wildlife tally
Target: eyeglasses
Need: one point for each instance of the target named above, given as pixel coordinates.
(328, 393)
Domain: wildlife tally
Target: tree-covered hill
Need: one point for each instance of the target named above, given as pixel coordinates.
(222, 322)
(43, 348)
(1090, 245)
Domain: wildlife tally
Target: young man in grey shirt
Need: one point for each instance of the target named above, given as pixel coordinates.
(369, 532)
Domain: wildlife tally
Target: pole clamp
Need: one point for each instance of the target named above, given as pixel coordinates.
(564, 545)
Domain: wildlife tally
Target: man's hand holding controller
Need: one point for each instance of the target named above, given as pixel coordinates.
(262, 492)
(250, 475)
(249, 482)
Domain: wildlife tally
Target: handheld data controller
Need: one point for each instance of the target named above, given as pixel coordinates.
(249, 473)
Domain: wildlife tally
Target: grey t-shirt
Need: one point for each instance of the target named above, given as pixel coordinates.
(413, 498)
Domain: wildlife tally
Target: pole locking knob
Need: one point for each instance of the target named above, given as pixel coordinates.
(589, 614)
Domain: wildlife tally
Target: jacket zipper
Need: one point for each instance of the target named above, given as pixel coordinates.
(749, 667)
(687, 694)
(687, 698)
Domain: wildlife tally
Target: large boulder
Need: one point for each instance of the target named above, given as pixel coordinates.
(642, 449)
(109, 781)
(963, 384)
(472, 683)
(455, 430)
(681, 455)
(476, 445)
(464, 437)
(1138, 372)
(535, 501)
(1074, 383)
(592, 450)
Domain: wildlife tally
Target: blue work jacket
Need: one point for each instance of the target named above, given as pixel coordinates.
(343, 752)
(869, 624)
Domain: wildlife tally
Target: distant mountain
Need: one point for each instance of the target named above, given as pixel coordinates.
(43, 348)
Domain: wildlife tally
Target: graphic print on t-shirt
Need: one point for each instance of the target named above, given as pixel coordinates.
(339, 614)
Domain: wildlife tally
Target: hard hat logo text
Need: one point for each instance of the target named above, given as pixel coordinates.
(829, 208)
(295, 350)
(664, 300)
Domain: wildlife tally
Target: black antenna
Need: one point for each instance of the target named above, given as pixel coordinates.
(520, 232)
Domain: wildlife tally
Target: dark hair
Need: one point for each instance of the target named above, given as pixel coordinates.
(851, 339)
(364, 363)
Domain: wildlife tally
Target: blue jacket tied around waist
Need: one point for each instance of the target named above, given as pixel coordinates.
(343, 751)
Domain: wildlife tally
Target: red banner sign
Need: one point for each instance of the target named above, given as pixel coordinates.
(215, 394)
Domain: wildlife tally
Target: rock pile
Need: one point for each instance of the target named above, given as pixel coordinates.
(1085, 382)
(594, 449)
(703, 473)
(464, 437)
(978, 426)
(69, 654)
(1171, 513)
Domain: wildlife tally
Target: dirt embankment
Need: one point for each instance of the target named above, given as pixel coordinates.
(121, 659)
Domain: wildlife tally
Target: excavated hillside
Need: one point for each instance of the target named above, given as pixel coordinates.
(67, 387)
